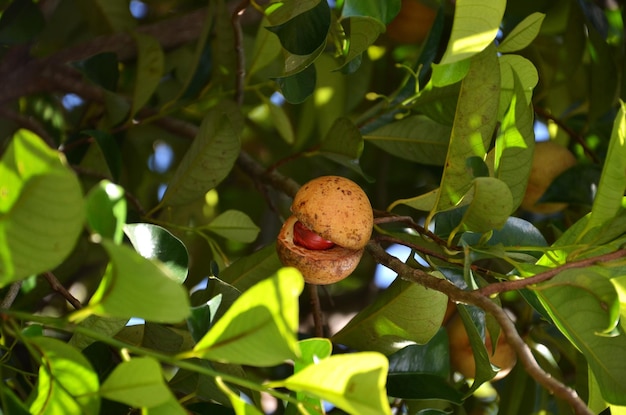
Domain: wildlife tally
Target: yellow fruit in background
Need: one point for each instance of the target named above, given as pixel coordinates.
(549, 161)
(462, 356)
(412, 23)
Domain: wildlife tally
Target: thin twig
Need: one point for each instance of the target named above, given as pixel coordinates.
(9, 298)
(503, 286)
(241, 64)
(391, 218)
(318, 319)
(56, 285)
(457, 295)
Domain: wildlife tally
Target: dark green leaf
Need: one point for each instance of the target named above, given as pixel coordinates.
(383, 11)
(298, 87)
(302, 29)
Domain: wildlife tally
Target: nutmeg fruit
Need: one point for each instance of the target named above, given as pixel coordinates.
(331, 224)
(462, 355)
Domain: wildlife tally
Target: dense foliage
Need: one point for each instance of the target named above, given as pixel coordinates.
(149, 151)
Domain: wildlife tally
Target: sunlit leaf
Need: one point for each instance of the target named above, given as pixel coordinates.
(612, 185)
(41, 208)
(138, 382)
(134, 286)
(475, 26)
(169, 407)
(353, 382)
(240, 406)
(259, 328)
(154, 242)
(473, 127)
(234, 225)
(522, 34)
(106, 210)
(210, 157)
(403, 314)
(362, 32)
(490, 206)
(66, 383)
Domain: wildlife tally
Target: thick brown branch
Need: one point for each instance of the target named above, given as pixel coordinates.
(499, 287)
(457, 295)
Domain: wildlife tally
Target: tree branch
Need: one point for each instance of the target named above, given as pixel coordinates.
(499, 287)
(58, 287)
(476, 298)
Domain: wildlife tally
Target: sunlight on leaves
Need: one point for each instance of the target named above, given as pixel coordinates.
(41, 208)
(234, 225)
(259, 328)
(522, 34)
(67, 383)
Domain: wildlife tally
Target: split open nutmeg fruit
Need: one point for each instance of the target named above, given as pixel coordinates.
(331, 224)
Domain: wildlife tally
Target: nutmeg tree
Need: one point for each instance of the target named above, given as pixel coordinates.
(438, 260)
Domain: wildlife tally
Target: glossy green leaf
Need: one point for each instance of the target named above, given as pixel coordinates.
(110, 150)
(403, 314)
(473, 127)
(422, 372)
(134, 286)
(475, 27)
(106, 210)
(154, 242)
(259, 328)
(383, 11)
(66, 383)
(249, 270)
(296, 88)
(608, 200)
(523, 34)
(150, 66)
(589, 322)
(234, 225)
(415, 138)
(301, 26)
(210, 157)
(353, 382)
(34, 239)
(138, 383)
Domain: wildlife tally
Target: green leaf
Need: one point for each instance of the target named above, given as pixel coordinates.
(67, 383)
(154, 242)
(301, 26)
(266, 49)
(311, 351)
(106, 210)
(490, 205)
(296, 88)
(280, 120)
(134, 286)
(234, 225)
(415, 138)
(422, 372)
(343, 138)
(588, 322)
(249, 270)
(473, 127)
(608, 200)
(109, 15)
(110, 150)
(104, 326)
(353, 382)
(523, 34)
(138, 383)
(474, 28)
(383, 11)
(404, 313)
(513, 154)
(150, 66)
(425, 202)
(240, 406)
(210, 157)
(21, 21)
(103, 70)
(169, 407)
(259, 328)
(41, 208)
(362, 32)
(449, 74)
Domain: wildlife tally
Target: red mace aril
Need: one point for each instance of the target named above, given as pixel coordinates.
(306, 238)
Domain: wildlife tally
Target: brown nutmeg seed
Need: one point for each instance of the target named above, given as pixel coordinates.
(331, 224)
